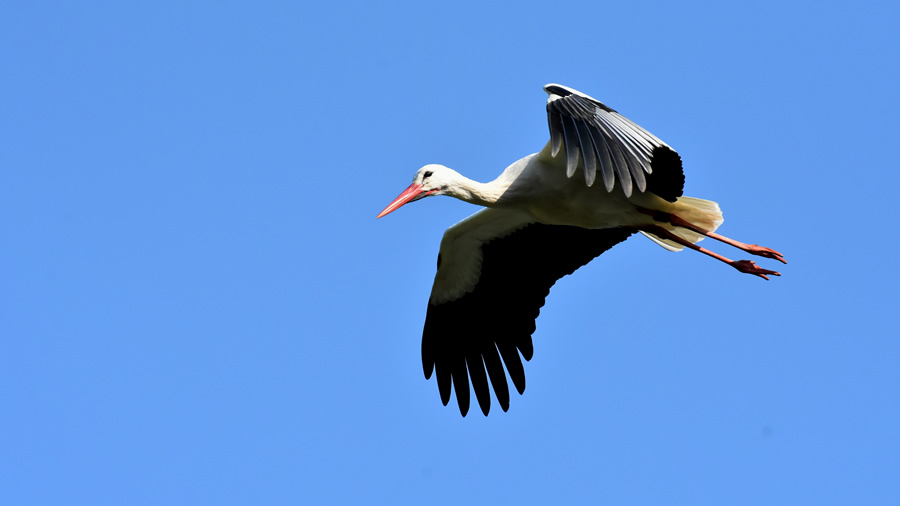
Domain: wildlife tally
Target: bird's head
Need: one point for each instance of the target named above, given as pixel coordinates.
(430, 180)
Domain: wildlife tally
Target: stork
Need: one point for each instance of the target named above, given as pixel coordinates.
(496, 267)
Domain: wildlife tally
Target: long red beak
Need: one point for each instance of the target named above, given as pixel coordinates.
(408, 195)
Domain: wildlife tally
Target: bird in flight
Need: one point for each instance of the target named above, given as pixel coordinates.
(598, 180)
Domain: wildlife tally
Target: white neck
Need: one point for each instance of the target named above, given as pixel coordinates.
(482, 194)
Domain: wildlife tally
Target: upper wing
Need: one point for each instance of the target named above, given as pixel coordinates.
(494, 271)
(611, 143)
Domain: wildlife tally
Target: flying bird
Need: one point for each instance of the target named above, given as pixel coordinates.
(598, 180)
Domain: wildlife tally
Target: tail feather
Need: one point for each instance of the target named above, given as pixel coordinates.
(705, 214)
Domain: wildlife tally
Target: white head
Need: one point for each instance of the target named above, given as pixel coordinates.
(430, 180)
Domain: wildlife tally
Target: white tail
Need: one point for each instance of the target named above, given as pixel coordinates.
(705, 214)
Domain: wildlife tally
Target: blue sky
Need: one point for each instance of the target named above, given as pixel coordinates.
(198, 306)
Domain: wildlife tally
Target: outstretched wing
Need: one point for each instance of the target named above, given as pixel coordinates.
(611, 144)
(494, 271)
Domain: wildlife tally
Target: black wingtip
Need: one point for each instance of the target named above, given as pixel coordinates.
(667, 178)
(454, 357)
(526, 347)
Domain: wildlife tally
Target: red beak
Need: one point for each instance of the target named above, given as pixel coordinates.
(408, 195)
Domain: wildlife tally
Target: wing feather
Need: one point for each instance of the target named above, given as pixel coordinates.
(605, 158)
(555, 131)
(570, 134)
(589, 154)
(461, 382)
(475, 364)
(494, 366)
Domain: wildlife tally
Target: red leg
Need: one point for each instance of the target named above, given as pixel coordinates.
(747, 266)
(753, 249)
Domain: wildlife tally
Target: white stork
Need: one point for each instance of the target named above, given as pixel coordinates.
(496, 267)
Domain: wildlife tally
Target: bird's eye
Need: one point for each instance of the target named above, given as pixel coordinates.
(427, 174)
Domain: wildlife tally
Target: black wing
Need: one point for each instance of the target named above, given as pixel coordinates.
(611, 143)
(469, 334)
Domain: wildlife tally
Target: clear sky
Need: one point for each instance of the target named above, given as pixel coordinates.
(199, 307)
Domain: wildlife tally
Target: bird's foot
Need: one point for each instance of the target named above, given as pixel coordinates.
(750, 267)
(753, 249)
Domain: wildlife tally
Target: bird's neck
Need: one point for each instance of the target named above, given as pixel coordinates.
(482, 194)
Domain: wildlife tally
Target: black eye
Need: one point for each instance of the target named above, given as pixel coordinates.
(427, 174)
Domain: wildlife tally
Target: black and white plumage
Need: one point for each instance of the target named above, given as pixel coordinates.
(602, 138)
(496, 267)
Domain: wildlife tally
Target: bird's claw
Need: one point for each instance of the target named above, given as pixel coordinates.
(750, 267)
(754, 249)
